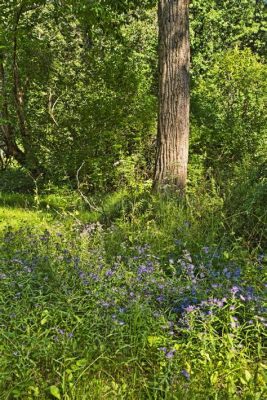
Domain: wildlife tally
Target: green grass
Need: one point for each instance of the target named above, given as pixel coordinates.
(17, 217)
(144, 298)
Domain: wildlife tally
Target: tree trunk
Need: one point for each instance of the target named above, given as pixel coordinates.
(9, 145)
(173, 113)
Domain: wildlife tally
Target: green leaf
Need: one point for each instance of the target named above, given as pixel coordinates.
(214, 378)
(248, 375)
(81, 363)
(54, 390)
(154, 340)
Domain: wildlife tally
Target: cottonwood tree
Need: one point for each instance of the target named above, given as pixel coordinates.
(173, 113)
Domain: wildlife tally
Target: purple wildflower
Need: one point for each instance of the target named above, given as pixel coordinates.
(162, 349)
(185, 374)
(144, 269)
(190, 309)
(234, 290)
(170, 354)
(205, 249)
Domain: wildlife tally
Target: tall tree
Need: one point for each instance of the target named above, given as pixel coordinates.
(173, 114)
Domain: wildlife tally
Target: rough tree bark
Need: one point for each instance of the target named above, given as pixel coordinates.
(173, 113)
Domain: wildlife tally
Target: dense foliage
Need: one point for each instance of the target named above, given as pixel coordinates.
(80, 83)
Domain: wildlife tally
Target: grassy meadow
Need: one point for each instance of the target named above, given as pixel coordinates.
(141, 298)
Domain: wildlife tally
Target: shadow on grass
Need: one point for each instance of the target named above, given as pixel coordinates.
(16, 200)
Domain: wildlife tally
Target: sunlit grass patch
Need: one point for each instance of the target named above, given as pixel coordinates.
(17, 217)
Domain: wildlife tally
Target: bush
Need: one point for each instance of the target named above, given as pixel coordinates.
(245, 204)
(229, 118)
(16, 180)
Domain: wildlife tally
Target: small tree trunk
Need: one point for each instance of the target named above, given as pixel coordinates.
(173, 114)
(9, 145)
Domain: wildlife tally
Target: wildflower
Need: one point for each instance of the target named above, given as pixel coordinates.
(142, 249)
(190, 309)
(234, 290)
(170, 354)
(237, 273)
(144, 269)
(185, 374)
(81, 274)
(234, 323)
(106, 304)
(95, 277)
(220, 303)
(206, 249)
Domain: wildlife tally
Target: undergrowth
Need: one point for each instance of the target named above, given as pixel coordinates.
(150, 299)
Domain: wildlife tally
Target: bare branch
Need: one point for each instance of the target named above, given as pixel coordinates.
(51, 107)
